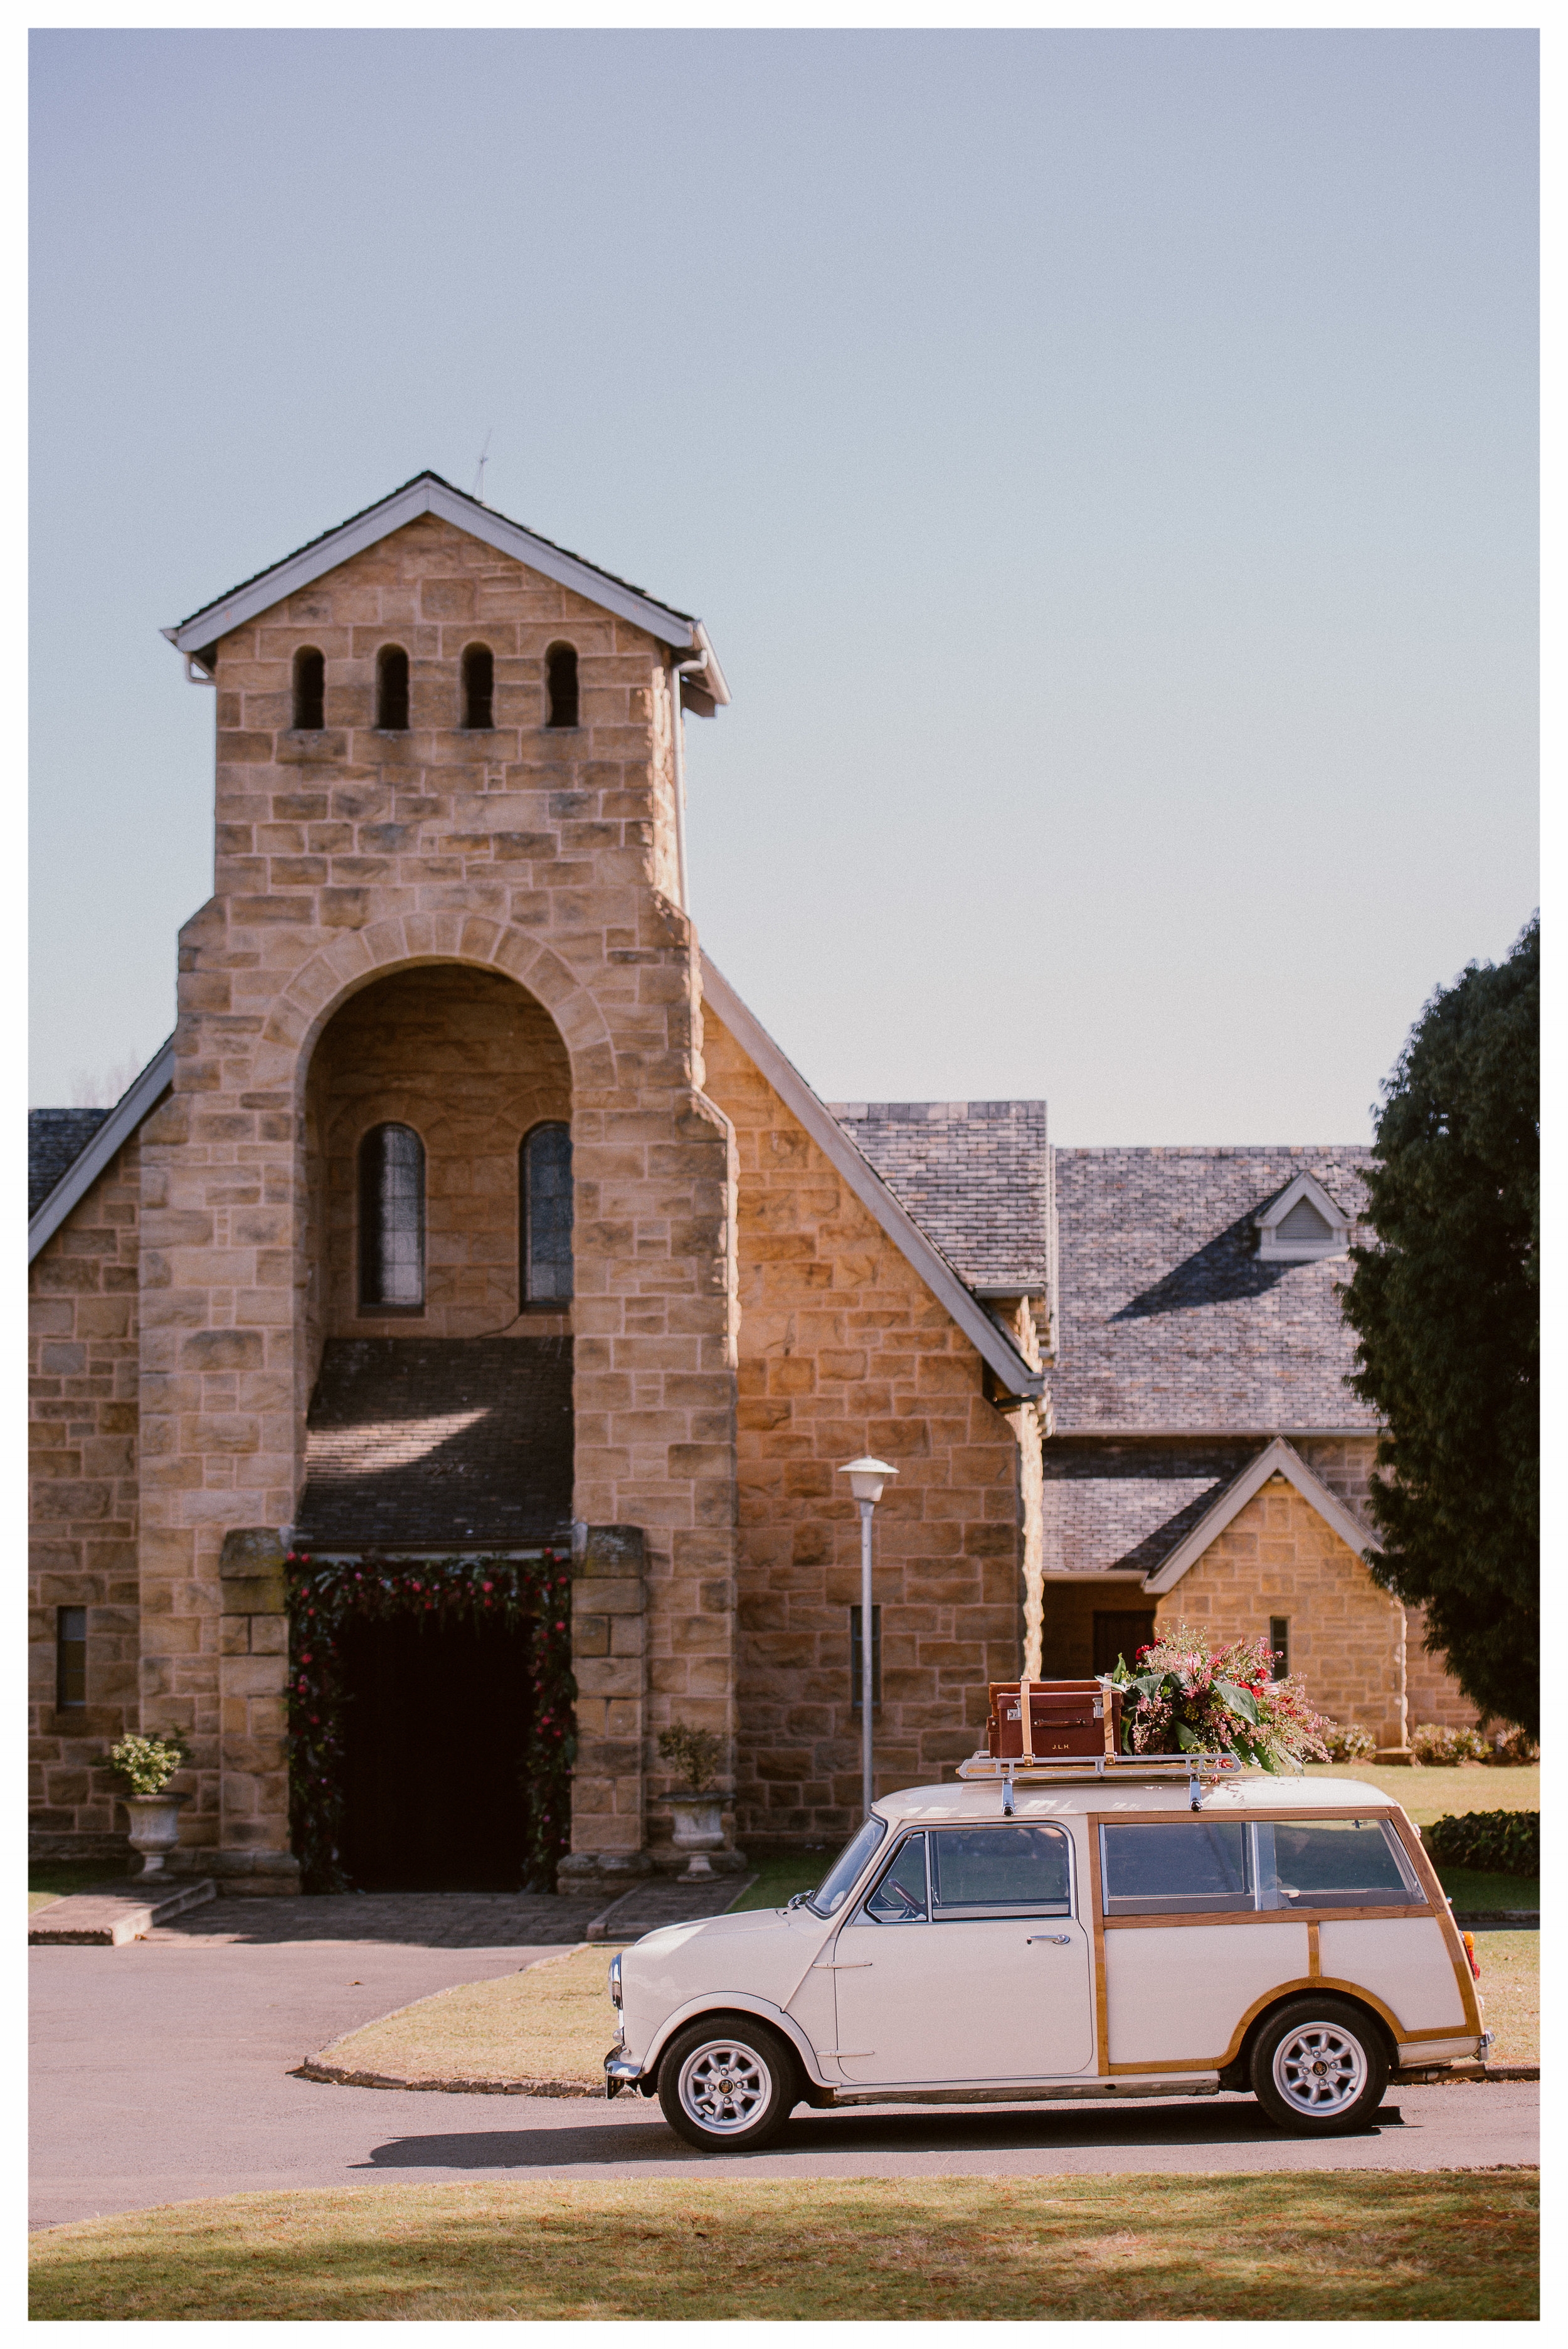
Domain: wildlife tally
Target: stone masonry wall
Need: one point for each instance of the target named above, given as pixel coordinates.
(82, 1375)
(1277, 1557)
(842, 1351)
(342, 856)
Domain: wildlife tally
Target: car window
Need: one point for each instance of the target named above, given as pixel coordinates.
(1333, 1863)
(1177, 1868)
(846, 1870)
(900, 1895)
(1007, 1871)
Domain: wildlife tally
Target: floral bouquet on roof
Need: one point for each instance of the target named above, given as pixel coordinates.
(1185, 1697)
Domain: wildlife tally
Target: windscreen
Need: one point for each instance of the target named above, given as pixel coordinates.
(847, 1869)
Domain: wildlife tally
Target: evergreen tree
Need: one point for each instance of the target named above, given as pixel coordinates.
(1446, 1309)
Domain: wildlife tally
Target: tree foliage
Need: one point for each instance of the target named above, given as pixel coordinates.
(1446, 1309)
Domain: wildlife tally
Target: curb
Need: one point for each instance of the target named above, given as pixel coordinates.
(335, 2076)
(110, 1918)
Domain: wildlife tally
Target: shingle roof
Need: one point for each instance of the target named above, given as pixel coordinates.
(1167, 1317)
(976, 1176)
(56, 1140)
(1116, 1508)
(439, 1442)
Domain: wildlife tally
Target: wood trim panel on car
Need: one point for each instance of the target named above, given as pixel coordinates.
(1097, 1927)
(1313, 1952)
(1313, 1916)
(1419, 1859)
(1402, 2038)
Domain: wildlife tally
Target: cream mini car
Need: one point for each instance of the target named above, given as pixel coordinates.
(976, 1944)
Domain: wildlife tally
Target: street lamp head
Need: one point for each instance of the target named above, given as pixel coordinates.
(867, 1477)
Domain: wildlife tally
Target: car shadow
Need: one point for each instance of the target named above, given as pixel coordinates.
(1209, 2123)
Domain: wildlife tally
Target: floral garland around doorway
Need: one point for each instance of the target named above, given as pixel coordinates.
(531, 1593)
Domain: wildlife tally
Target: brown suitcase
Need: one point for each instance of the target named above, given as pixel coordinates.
(1066, 1718)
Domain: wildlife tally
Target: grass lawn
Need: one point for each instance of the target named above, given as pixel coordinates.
(51, 1880)
(1428, 1795)
(1378, 2245)
(1511, 1985)
(779, 1878)
(551, 2021)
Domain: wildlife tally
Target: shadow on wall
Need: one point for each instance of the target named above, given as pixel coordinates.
(1226, 1269)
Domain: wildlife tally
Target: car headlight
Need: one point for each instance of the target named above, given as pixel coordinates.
(616, 1978)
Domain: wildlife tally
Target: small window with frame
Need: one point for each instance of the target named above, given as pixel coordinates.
(1333, 1864)
(70, 1659)
(1178, 1868)
(1000, 1871)
(900, 1897)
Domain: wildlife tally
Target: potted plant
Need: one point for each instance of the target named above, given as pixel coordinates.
(698, 1812)
(144, 1766)
(1188, 1698)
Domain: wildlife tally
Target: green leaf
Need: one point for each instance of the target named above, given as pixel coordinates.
(1186, 1741)
(1240, 1700)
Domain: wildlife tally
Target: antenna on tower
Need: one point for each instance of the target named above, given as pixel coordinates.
(479, 488)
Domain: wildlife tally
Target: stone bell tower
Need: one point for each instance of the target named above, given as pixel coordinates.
(444, 745)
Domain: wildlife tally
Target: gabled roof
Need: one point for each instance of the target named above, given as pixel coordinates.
(975, 1175)
(56, 1140)
(1277, 1460)
(429, 494)
(1170, 1322)
(916, 1246)
(139, 1100)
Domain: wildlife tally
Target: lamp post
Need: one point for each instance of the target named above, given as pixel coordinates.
(867, 1479)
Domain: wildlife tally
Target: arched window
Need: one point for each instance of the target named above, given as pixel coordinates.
(392, 689)
(309, 690)
(391, 1220)
(561, 670)
(546, 1184)
(479, 688)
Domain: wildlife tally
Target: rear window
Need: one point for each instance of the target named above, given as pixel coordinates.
(1334, 1863)
(1193, 1867)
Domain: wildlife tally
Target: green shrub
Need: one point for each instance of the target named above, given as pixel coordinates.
(1502, 1843)
(1446, 1746)
(1347, 1742)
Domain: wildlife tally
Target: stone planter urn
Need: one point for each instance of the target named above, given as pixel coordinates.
(154, 1829)
(698, 1830)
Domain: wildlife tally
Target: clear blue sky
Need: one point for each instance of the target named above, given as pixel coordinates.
(1106, 463)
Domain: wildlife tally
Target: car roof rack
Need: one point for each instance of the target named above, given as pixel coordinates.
(1200, 1770)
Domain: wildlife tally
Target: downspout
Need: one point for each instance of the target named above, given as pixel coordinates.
(678, 739)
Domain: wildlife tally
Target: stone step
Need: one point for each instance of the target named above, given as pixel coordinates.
(658, 1900)
(108, 1914)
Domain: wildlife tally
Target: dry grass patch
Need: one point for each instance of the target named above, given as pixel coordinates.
(1445, 2246)
(553, 2021)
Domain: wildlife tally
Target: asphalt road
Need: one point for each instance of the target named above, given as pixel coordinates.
(160, 2073)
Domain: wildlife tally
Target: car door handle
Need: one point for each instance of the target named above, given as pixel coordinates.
(1062, 1940)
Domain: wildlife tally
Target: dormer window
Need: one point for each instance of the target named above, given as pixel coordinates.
(1302, 1224)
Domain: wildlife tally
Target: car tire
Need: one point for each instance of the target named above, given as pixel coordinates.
(728, 2083)
(1319, 2068)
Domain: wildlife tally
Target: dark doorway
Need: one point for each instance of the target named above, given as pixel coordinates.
(436, 1722)
(1121, 1634)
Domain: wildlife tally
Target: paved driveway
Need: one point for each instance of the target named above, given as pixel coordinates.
(161, 2074)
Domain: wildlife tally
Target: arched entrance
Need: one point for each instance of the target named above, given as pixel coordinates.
(439, 1418)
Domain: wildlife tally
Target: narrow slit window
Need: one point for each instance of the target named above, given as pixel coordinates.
(561, 675)
(70, 1659)
(855, 1665)
(309, 690)
(1279, 1641)
(392, 689)
(391, 1221)
(479, 690)
(546, 1158)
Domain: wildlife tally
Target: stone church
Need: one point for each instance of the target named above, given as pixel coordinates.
(469, 1211)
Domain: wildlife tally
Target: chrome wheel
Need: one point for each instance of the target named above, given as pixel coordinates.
(724, 2087)
(1319, 2069)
